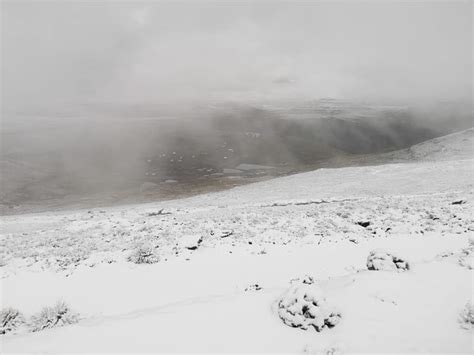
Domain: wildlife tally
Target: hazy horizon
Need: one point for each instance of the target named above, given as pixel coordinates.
(60, 54)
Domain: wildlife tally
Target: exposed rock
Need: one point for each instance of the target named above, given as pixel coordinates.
(191, 241)
(159, 213)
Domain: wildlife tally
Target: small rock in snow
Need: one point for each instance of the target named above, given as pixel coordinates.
(225, 233)
(191, 241)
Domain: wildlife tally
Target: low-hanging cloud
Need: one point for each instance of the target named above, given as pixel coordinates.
(61, 53)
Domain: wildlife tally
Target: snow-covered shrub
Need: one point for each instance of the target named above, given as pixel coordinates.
(144, 254)
(304, 305)
(306, 279)
(254, 287)
(57, 316)
(10, 319)
(381, 260)
(466, 258)
(64, 262)
(466, 317)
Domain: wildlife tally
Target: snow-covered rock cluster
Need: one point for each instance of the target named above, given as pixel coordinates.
(381, 260)
(304, 306)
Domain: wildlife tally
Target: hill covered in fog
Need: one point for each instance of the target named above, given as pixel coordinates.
(107, 154)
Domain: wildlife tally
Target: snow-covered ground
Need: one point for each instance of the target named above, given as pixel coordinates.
(459, 145)
(224, 260)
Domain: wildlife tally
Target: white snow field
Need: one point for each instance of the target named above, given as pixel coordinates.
(214, 267)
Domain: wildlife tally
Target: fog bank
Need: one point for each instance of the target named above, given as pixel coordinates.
(59, 54)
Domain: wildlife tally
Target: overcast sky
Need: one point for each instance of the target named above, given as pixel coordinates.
(71, 52)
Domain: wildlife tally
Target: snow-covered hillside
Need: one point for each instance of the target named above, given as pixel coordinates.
(459, 145)
(224, 267)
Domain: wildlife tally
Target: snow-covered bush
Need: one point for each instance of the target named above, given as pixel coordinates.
(57, 316)
(10, 319)
(306, 279)
(466, 258)
(304, 305)
(254, 287)
(466, 317)
(144, 254)
(381, 260)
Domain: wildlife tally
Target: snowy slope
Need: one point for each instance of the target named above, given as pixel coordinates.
(213, 247)
(459, 145)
